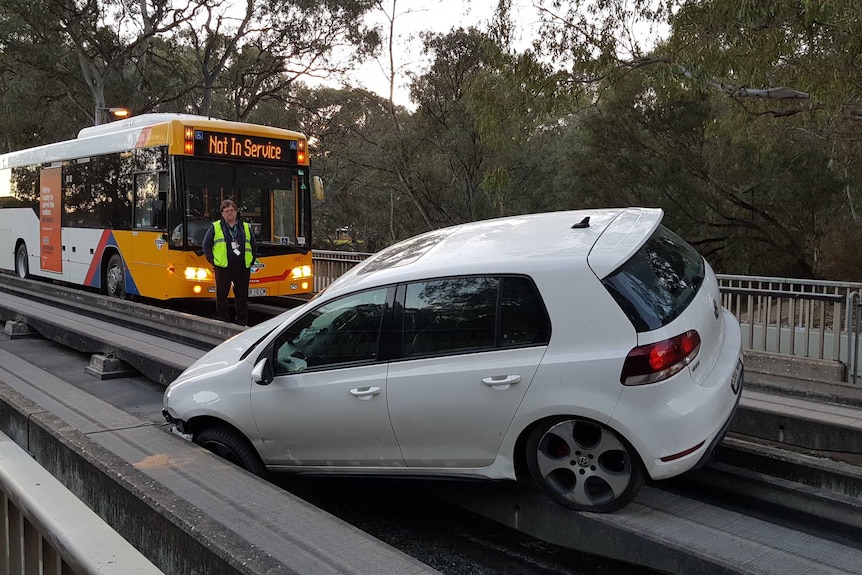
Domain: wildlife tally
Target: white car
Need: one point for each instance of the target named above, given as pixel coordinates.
(585, 349)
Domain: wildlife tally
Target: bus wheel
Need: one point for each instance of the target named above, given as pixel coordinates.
(115, 277)
(22, 264)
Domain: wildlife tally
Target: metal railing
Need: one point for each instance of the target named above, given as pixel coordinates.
(801, 318)
(45, 529)
(794, 317)
(329, 265)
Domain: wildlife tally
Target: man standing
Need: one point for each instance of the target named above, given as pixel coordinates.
(230, 247)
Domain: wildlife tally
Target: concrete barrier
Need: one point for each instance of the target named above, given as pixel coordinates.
(43, 531)
(175, 536)
(182, 507)
(795, 367)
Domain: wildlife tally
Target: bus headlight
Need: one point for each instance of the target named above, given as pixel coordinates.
(300, 272)
(198, 274)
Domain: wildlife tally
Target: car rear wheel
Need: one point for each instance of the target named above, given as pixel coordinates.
(232, 446)
(22, 262)
(583, 465)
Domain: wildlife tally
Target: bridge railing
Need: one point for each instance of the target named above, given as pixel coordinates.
(329, 265)
(44, 528)
(795, 317)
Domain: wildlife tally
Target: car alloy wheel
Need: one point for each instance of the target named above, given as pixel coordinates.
(583, 465)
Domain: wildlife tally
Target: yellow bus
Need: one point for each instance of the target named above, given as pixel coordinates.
(123, 208)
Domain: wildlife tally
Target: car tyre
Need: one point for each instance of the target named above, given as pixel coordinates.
(583, 465)
(22, 262)
(231, 446)
(115, 277)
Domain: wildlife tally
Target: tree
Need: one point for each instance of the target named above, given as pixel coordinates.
(781, 58)
(754, 196)
(250, 56)
(354, 138)
(92, 50)
(778, 82)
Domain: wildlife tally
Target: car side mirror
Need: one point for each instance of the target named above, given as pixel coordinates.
(262, 373)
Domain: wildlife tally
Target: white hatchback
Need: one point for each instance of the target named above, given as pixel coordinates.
(585, 349)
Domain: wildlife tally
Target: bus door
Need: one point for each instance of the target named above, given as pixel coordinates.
(147, 253)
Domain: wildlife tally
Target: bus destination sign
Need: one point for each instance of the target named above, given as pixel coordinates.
(240, 147)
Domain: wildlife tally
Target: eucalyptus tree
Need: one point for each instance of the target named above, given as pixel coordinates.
(776, 58)
(779, 82)
(249, 52)
(39, 84)
(754, 196)
(353, 142)
(100, 47)
(481, 113)
(795, 67)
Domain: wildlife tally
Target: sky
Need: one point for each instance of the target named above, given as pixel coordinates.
(441, 16)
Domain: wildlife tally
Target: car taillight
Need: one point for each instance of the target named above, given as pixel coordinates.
(660, 360)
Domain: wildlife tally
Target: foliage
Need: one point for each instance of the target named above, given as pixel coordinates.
(756, 160)
(10, 202)
(81, 57)
(739, 118)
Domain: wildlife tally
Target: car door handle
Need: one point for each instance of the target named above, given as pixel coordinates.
(501, 381)
(364, 393)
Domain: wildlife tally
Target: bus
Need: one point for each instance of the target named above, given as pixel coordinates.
(123, 208)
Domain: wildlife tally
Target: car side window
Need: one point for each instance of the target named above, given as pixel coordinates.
(450, 315)
(458, 315)
(343, 331)
(523, 318)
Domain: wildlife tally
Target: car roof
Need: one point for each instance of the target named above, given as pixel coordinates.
(515, 244)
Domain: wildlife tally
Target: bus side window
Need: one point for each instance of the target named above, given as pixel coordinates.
(146, 196)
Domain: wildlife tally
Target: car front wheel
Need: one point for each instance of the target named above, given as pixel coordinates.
(583, 465)
(232, 446)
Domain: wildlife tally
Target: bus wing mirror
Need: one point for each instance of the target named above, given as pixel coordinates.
(317, 186)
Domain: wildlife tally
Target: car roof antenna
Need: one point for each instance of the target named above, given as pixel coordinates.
(584, 223)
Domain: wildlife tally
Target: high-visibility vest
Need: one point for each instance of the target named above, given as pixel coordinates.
(220, 245)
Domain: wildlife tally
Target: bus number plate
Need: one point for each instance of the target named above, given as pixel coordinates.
(253, 292)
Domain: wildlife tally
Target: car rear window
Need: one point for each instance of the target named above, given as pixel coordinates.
(658, 282)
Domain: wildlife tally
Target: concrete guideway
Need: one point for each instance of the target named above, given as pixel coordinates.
(146, 353)
(185, 509)
(667, 532)
(659, 530)
(801, 422)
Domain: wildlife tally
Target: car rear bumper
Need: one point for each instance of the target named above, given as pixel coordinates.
(718, 438)
(674, 425)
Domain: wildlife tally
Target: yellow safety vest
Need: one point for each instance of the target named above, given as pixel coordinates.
(220, 245)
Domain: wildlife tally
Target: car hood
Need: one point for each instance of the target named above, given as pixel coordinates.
(228, 353)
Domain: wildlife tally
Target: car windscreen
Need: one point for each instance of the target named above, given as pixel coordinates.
(657, 283)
